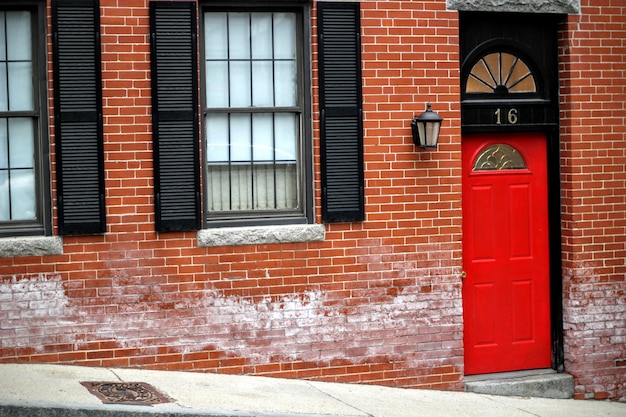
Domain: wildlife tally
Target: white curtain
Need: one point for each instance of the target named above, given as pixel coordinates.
(252, 161)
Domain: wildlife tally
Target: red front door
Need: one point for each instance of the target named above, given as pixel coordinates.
(506, 289)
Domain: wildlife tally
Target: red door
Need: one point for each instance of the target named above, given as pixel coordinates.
(506, 289)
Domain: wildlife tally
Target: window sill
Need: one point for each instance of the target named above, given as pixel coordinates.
(31, 246)
(232, 236)
(533, 6)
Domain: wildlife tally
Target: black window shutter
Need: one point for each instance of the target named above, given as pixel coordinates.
(341, 111)
(175, 115)
(78, 117)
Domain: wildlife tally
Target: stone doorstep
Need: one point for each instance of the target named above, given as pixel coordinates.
(544, 383)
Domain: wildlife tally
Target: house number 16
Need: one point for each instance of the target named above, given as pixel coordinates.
(511, 116)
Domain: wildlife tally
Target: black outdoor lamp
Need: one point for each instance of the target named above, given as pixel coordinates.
(425, 128)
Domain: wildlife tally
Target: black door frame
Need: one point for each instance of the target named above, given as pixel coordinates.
(535, 36)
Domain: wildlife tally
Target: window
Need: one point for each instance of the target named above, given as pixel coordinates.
(498, 157)
(500, 73)
(254, 130)
(256, 114)
(24, 172)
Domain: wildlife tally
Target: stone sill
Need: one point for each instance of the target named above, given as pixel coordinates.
(234, 236)
(31, 246)
(517, 6)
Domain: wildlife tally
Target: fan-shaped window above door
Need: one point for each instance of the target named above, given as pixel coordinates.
(498, 157)
(500, 73)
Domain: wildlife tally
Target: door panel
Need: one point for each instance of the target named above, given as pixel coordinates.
(521, 302)
(506, 291)
(520, 226)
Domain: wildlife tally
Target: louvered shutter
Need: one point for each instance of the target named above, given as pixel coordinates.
(175, 115)
(341, 111)
(78, 117)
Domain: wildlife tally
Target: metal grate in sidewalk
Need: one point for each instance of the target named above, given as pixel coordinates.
(133, 393)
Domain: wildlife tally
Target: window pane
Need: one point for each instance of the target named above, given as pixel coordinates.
(216, 36)
(261, 35)
(217, 137)
(217, 83)
(4, 88)
(284, 36)
(241, 187)
(263, 131)
(19, 40)
(22, 194)
(240, 138)
(499, 156)
(286, 136)
(240, 91)
(264, 187)
(4, 145)
(3, 39)
(286, 186)
(218, 187)
(21, 143)
(4, 196)
(20, 86)
(285, 83)
(262, 84)
(239, 35)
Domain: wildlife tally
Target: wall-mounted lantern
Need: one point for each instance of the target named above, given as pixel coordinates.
(425, 128)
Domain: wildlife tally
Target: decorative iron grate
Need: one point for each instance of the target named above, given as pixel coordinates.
(137, 393)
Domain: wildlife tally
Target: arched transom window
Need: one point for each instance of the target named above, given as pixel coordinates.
(501, 73)
(497, 157)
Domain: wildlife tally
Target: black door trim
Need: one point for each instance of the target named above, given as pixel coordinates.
(537, 36)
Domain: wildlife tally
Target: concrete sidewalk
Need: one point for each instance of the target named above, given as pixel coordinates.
(56, 390)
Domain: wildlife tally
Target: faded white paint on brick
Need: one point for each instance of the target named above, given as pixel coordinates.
(293, 327)
(31, 303)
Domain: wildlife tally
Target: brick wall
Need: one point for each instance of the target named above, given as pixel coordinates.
(593, 128)
(375, 302)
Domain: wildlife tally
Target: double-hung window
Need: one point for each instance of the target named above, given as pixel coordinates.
(24, 165)
(256, 139)
(256, 121)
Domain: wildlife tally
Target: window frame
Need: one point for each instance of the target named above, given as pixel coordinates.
(305, 213)
(42, 224)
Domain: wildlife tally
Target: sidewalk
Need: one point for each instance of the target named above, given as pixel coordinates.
(56, 390)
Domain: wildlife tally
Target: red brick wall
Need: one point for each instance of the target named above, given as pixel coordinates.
(376, 302)
(593, 129)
